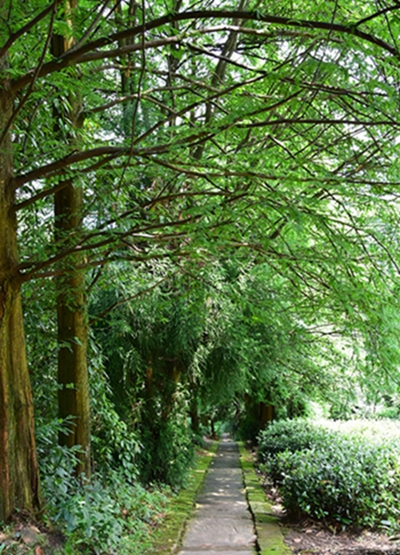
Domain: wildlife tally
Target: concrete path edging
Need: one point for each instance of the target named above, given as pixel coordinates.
(270, 539)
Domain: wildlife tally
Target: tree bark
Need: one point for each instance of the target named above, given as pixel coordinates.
(128, 67)
(73, 382)
(73, 393)
(267, 414)
(194, 416)
(19, 475)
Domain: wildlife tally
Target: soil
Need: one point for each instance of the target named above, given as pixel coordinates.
(25, 537)
(315, 538)
(309, 537)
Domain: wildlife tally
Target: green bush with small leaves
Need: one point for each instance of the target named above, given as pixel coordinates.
(112, 514)
(291, 435)
(344, 473)
(168, 450)
(108, 515)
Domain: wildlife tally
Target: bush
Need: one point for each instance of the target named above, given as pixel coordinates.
(289, 435)
(334, 472)
(112, 514)
(167, 451)
(107, 515)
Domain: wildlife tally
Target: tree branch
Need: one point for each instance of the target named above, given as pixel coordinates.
(289, 121)
(70, 159)
(92, 51)
(35, 76)
(116, 239)
(15, 36)
(130, 298)
(377, 14)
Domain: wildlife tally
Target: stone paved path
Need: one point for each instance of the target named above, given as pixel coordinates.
(222, 524)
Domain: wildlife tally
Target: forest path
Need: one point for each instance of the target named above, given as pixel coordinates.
(222, 523)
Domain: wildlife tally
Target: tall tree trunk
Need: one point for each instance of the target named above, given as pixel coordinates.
(73, 393)
(194, 415)
(19, 475)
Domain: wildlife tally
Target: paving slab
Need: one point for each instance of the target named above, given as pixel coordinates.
(226, 502)
(223, 510)
(210, 532)
(222, 523)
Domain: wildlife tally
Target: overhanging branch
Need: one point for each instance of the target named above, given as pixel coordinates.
(87, 51)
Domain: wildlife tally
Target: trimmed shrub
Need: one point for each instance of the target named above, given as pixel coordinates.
(334, 474)
(291, 435)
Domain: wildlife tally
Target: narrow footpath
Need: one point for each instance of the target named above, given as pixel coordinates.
(222, 523)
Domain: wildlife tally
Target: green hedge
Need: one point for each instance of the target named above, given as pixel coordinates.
(333, 471)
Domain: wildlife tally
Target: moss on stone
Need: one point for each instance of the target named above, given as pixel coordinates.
(180, 506)
(269, 534)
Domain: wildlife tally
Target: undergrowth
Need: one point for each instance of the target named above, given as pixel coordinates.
(108, 515)
(119, 509)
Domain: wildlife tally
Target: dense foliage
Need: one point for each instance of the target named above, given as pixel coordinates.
(346, 472)
(199, 214)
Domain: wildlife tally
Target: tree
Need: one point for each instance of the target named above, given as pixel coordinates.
(297, 161)
(18, 465)
(73, 392)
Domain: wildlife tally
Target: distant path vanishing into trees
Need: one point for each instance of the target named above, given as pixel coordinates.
(222, 522)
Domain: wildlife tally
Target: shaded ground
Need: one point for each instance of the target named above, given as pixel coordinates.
(24, 538)
(316, 538)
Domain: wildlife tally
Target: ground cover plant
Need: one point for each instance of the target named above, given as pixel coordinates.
(109, 514)
(347, 472)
